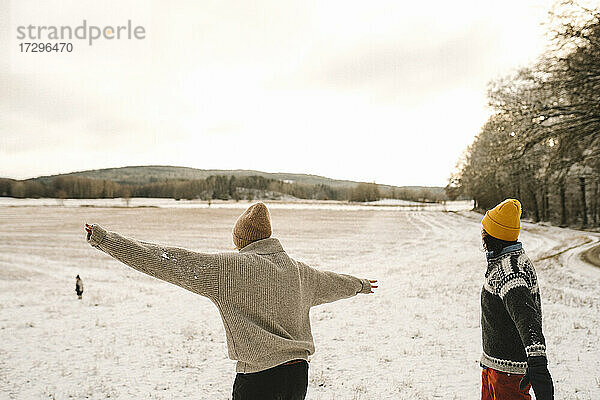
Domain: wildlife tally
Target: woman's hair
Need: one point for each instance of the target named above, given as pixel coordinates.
(493, 244)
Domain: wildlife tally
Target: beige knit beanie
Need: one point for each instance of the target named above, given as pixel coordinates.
(254, 224)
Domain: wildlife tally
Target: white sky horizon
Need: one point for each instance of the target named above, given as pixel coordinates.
(382, 92)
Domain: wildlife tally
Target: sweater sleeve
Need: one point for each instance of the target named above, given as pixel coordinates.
(516, 294)
(521, 308)
(327, 286)
(196, 272)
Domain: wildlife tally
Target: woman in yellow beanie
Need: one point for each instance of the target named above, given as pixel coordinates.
(514, 349)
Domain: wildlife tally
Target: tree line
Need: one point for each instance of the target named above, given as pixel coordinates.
(213, 187)
(541, 144)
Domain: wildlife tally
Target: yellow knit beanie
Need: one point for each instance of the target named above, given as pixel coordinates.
(504, 221)
(254, 224)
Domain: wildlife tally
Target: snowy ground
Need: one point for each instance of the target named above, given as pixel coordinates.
(297, 204)
(135, 337)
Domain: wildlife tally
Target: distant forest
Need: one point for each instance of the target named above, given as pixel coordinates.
(542, 143)
(220, 187)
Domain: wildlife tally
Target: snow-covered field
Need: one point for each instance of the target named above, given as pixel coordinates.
(243, 204)
(134, 337)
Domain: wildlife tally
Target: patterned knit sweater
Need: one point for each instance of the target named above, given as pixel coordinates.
(264, 297)
(511, 313)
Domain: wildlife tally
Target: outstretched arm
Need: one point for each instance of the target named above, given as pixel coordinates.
(193, 271)
(327, 286)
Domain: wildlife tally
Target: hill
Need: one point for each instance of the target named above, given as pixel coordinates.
(191, 183)
(138, 175)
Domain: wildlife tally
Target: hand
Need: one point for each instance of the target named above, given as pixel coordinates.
(88, 229)
(373, 286)
(539, 377)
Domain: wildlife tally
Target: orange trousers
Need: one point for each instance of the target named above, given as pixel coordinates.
(496, 385)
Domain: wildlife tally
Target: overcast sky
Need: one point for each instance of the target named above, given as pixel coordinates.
(384, 91)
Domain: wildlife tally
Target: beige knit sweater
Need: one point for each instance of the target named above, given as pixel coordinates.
(263, 295)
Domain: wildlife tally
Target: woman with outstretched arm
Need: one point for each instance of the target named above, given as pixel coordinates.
(264, 298)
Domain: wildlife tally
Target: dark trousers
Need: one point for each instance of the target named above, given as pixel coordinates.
(284, 382)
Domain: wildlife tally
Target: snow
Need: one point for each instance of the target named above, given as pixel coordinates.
(392, 202)
(418, 337)
(401, 205)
